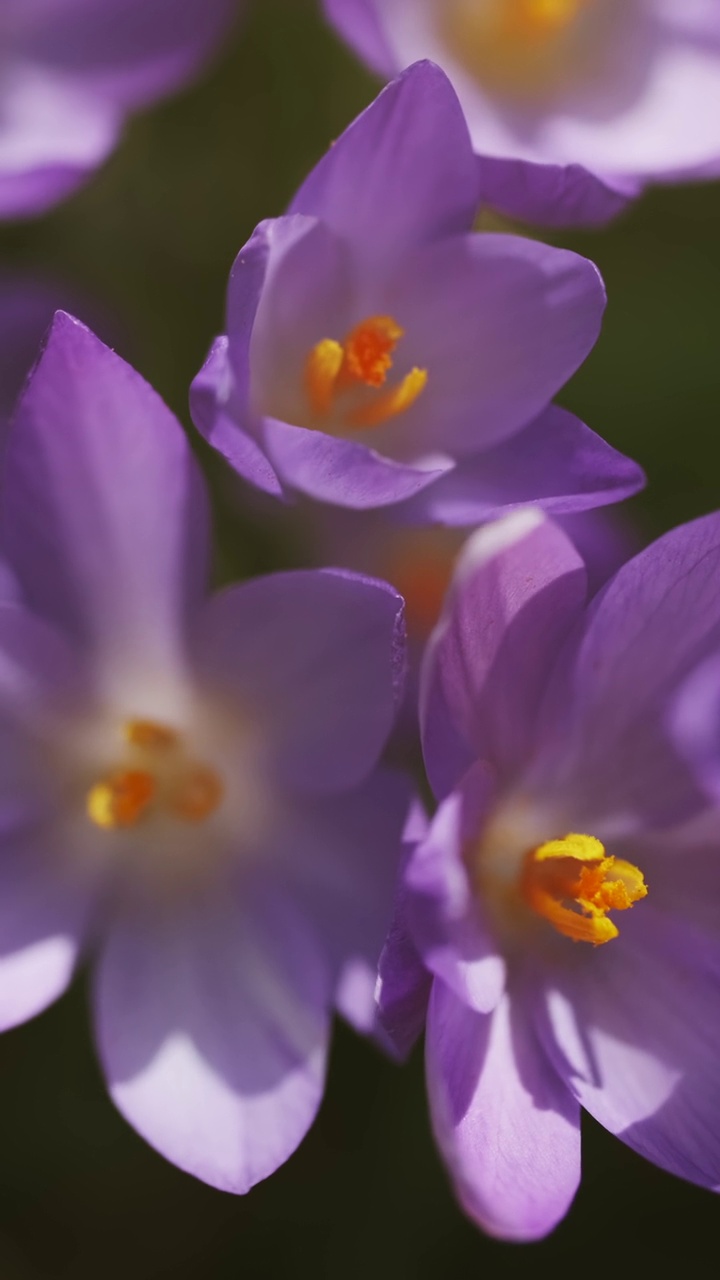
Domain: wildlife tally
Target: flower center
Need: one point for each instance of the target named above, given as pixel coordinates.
(521, 45)
(573, 884)
(156, 777)
(336, 371)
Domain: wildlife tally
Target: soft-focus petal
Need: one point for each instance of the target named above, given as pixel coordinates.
(212, 1026)
(341, 856)
(518, 589)
(103, 507)
(505, 1122)
(553, 195)
(318, 657)
(557, 463)
(402, 174)
(43, 922)
(358, 22)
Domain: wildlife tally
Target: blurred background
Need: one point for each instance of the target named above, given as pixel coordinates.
(142, 254)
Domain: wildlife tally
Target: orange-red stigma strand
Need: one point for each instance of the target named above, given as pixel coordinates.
(363, 359)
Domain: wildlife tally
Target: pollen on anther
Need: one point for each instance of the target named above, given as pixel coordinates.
(149, 734)
(120, 799)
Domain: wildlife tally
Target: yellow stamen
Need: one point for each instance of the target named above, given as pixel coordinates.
(121, 799)
(198, 794)
(149, 735)
(321, 373)
(395, 401)
(363, 359)
(573, 884)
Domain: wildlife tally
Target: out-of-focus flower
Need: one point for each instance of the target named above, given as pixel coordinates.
(380, 353)
(573, 105)
(562, 804)
(72, 70)
(188, 784)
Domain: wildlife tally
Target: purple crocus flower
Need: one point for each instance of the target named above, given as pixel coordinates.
(74, 69)
(188, 784)
(573, 105)
(558, 917)
(379, 353)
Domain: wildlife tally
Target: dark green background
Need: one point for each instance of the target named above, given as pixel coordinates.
(149, 243)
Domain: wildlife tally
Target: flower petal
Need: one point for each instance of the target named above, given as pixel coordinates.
(607, 744)
(553, 195)
(695, 725)
(505, 1122)
(402, 174)
(104, 509)
(638, 1032)
(212, 1025)
(556, 463)
(319, 655)
(519, 587)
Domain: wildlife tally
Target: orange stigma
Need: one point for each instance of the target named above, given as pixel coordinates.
(158, 779)
(573, 884)
(538, 19)
(363, 360)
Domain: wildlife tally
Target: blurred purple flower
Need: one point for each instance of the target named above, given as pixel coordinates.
(188, 785)
(380, 353)
(573, 105)
(74, 69)
(545, 739)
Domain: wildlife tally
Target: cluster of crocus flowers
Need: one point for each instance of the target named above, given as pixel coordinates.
(573, 105)
(184, 794)
(557, 921)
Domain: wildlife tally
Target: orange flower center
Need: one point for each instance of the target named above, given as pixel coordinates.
(157, 778)
(336, 371)
(573, 884)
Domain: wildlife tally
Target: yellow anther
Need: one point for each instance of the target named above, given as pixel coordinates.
(394, 402)
(363, 360)
(321, 373)
(198, 794)
(149, 735)
(573, 884)
(121, 799)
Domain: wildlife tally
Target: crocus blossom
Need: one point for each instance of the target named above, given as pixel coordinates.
(557, 921)
(188, 784)
(379, 353)
(573, 105)
(72, 70)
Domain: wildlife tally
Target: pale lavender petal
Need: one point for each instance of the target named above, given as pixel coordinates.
(402, 174)
(212, 1025)
(607, 745)
(556, 463)
(519, 588)
(504, 1120)
(103, 506)
(637, 1031)
(318, 656)
(128, 51)
(694, 721)
(339, 857)
(444, 916)
(44, 915)
(358, 22)
(403, 982)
